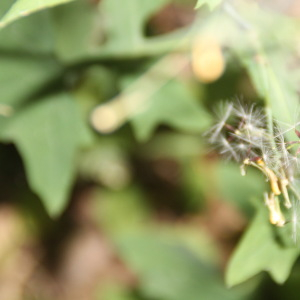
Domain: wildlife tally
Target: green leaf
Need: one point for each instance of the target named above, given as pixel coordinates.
(47, 136)
(75, 39)
(22, 8)
(22, 76)
(120, 33)
(116, 204)
(237, 189)
(174, 105)
(4, 6)
(169, 271)
(125, 25)
(115, 291)
(125, 29)
(32, 35)
(259, 251)
(212, 4)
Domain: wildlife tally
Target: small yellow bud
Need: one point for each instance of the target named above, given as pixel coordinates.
(275, 214)
(271, 176)
(283, 187)
(207, 59)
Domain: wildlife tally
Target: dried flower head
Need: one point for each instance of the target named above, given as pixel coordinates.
(240, 131)
(242, 134)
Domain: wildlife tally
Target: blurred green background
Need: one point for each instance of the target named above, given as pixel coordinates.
(109, 190)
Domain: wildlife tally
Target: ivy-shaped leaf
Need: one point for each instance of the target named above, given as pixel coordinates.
(125, 29)
(259, 251)
(22, 8)
(121, 33)
(47, 134)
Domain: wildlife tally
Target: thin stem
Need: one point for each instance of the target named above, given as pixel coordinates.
(294, 191)
(232, 12)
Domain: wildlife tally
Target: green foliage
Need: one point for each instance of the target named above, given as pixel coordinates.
(60, 63)
(22, 8)
(268, 70)
(272, 82)
(126, 202)
(76, 40)
(126, 39)
(161, 265)
(116, 292)
(235, 187)
(128, 36)
(259, 251)
(173, 105)
(48, 133)
(21, 77)
(121, 39)
(24, 37)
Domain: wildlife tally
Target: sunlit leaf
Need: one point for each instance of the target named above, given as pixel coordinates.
(4, 6)
(22, 8)
(212, 4)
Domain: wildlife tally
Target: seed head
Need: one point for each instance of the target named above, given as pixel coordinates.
(242, 134)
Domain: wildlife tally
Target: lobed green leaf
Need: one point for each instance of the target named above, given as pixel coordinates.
(47, 134)
(259, 251)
